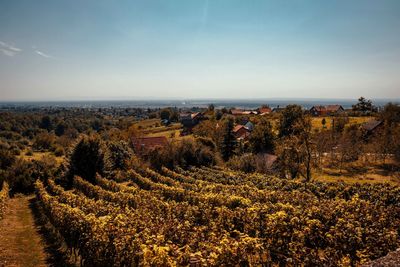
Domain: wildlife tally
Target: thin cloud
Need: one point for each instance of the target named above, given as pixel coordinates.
(9, 50)
(40, 53)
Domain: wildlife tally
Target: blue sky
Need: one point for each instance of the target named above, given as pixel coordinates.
(69, 50)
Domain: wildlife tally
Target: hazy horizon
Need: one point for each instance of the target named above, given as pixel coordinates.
(103, 50)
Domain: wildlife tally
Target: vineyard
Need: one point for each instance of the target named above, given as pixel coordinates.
(214, 216)
(3, 198)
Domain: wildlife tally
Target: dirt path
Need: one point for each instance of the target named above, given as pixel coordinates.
(20, 241)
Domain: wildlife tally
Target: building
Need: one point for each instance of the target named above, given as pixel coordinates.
(249, 125)
(372, 127)
(264, 111)
(241, 132)
(190, 120)
(240, 112)
(326, 110)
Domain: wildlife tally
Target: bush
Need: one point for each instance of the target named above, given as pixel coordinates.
(59, 151)
(245, 163)
(185, 153)
(43, 141)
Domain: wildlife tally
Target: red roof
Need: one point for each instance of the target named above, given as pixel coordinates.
(333, 108)
(149, 142)
(242, 112)
(238, 128)
(265, 110)
(319, 108)
(327, 109)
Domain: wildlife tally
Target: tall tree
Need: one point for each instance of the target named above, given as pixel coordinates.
(288, 119)
(227, 142)
(296, 153)
(87, 159)
(364, 105)
(46, 123)
(262, 138)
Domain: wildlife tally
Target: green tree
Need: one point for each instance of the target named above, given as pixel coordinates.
(391, 114)
(364, 105)
(227, 142)
(46, 123)
(117, 155)
(288, 119)
(323, 122)
(262, 138)
(60, 129)
(87, 159)
(165, 114)
(296, 153)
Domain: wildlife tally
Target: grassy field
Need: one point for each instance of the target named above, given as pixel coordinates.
(317, 121)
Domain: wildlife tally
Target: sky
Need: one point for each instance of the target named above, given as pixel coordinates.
(185, 49)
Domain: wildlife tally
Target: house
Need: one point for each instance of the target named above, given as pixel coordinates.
(264, 111)
(326, 110)
(145, 144)
(249, 125)
(372, 127)
(334, 109)
(240, 112)
(318, 110)
(190, 120)
(241, 132)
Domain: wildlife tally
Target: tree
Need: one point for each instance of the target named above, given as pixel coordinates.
(349, 146)
(87, 159)
(339, 124)
(323, 122)
(206, 128)
(43, 141)
(288, 119)
(262, 138)
(364, 105)
(7, 158)
(60, 129)
(117, 156)
(391, 114)
(297, 151)
(45, 123)
(227, 142)
(165, 114)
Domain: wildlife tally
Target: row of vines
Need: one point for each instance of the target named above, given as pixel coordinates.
(4, 194)
(213, 216)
